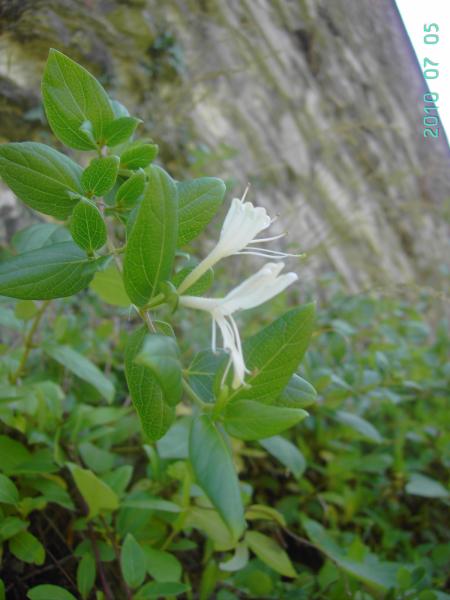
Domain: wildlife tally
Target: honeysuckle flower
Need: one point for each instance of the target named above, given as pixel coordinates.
(243, 223)
(254, 291)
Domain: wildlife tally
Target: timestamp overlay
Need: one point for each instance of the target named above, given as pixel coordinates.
(428, 25)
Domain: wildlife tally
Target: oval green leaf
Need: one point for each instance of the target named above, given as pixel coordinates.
(298, 393)
(99, 497)
(50, 272)
(41, 177)
(8, 491)
(155, 414)
(138, 155)
(251, 420)
(49, 592)
(267, 550)
(152, 242)
(27, 548)
(87, 226)
(120, 130)
(215, 473)
(100, 176)
(198, 201)
(133, 562)
(73, 97)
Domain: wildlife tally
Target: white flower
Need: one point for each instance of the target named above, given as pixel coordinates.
(241, 226)
(257, 289)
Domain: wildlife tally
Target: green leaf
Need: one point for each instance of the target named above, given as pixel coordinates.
(86, 574)
(41, 177)
(273, 354)
(202, 373)
(99, 497)
(238, 561)
(87, 226)
(198, 201)
(154, 589)
(374, 574)
(27, 548)
(39, 235)
(214, 470)
(160, 353)
(211, 523)
(9, 494)
(420, 485)
(72, 98)
(267, 550)
(297, 394)
(120, 130)
(95, 458)
(100, 176)
(288, 454)
(131, 190)
(138, 155)
(261, 512)
(108, 284)
(11, 526)
(54, 271)
(161, 565)
(251, 420)
(13, 454)
(360, 425)
(133, 562)
(152, 242)
(49, 592)
(82, 367)
(155, 414)
(54, 492)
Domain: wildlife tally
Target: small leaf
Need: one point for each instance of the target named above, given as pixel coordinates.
(421, 485)
(100, 176)
(86, 574)
(198, 200)
(133, 562)
(160, 353)
(108, 284)
(87, 226)
(155, 414)
(120, 130)
(13, 454)
(49, 592)
(11, 526)
(138, 155)
(154, 589)
(99, 497)
(267, 550)
(96, 459)
(27, 548)
(214, 470)
(297, 394)
(258, 512)
(212, 525)
(288, 454)
(238, 561)
(152, 242)
(131, 190)
(54, 271)
(360, 425)
(162, 565)
(251, 420)
(273, 354)
(41, 177)
(82, 367)
(9, 494)
(73, 97)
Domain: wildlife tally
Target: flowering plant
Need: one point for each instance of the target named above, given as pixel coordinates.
(117, 226)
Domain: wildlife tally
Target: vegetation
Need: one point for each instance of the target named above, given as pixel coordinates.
(138, 463)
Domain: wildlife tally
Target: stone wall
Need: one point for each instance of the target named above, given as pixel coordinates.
(317, 104)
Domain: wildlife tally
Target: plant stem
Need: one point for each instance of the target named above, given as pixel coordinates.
(29, 342)
(105, 584)
(193, 396)
(110, 534)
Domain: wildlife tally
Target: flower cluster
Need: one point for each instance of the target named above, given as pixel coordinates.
(242, 224)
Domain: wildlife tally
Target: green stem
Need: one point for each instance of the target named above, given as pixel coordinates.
(193, 396)
(29, 343)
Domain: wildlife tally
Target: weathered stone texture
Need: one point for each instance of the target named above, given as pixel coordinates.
(318, 104)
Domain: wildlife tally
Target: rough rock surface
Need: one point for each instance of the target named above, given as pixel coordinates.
(318, 104)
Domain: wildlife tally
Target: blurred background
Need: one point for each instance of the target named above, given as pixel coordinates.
(317, 104)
